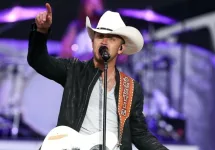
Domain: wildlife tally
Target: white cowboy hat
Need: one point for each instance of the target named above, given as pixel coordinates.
(112, 23)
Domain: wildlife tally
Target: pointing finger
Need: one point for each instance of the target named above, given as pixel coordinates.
(49, 9)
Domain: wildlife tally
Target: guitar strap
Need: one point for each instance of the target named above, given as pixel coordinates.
(126, 89)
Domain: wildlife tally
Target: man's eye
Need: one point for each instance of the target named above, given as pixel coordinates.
(100, 36)
(113, 38)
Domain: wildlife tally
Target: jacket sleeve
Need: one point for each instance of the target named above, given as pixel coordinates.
(141, 136)
(39, 59)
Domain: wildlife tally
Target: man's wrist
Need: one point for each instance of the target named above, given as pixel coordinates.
(44, 31)
(40, 30)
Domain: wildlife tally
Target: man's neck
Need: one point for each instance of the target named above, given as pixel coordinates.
(111, 67)
(100, 65)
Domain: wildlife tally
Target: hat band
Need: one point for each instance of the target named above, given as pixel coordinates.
(105, 29)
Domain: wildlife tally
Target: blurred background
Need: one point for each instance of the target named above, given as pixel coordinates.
(176, 67)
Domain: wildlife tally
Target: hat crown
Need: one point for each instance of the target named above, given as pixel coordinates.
(111, 20)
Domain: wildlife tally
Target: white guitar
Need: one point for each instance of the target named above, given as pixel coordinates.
(66, 138)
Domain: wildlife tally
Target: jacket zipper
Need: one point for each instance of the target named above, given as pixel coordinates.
(81, 117)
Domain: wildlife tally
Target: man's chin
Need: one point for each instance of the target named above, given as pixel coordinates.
(99, 60)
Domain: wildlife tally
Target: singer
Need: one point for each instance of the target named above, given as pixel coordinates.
(83, 81)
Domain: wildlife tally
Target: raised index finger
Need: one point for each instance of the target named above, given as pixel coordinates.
(49, 9)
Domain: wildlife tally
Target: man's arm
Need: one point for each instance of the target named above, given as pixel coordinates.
(38, 57)
(141, 136)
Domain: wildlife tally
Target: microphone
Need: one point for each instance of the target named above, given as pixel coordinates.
(103, 51)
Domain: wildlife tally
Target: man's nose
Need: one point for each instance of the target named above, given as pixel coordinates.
(105, 40)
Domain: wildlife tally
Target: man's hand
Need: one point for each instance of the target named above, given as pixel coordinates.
(44, 19)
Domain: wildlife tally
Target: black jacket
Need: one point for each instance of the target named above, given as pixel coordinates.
(78, 79)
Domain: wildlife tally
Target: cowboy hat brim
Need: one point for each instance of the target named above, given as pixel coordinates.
(133, 39)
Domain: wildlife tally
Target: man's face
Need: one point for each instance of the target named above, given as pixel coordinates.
(112, 42)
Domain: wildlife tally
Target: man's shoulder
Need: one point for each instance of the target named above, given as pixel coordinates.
(125, 74)
(75, 62)
(136, 83)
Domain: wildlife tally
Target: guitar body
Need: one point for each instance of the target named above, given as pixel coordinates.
(66, 138)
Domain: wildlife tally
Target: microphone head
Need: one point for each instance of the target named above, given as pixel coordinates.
(103, 51)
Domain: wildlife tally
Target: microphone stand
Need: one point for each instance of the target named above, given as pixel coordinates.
(105, 104)
(105, 55)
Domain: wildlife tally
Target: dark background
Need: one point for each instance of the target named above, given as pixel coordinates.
(66, 10)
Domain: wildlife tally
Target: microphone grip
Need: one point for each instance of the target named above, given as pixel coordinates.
(105, 54)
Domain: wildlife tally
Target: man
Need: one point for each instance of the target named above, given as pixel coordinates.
(83, 81)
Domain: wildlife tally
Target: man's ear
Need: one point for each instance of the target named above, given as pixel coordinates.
(121, 49)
